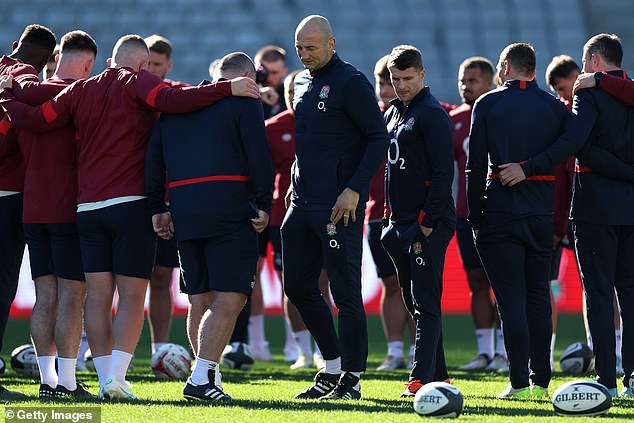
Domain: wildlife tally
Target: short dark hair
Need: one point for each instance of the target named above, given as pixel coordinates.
(159, 45)
(608, 46)
(236, 62)
(380, 69)
(38, 35)
(521, 56)
(405, 56)
(78, 41)
(270, 53)
(478, 62)
(560, 67)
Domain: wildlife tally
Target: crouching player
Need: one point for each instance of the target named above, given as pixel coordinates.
(220, 181)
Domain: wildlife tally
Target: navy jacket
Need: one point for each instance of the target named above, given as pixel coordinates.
(420, 165)
(511, 124)
(601, 136)
(218, 163)
(340, 135)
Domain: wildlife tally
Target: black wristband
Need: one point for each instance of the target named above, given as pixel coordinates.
(597, 78)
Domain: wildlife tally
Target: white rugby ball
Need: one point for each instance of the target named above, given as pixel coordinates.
(171, 362)
(438, 399)
(581, 398)
(577, 358)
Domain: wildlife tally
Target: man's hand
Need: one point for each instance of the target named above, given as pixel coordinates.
(584, 80)
(345, 207)
(269, 95)
(426, 231)
(163, 225)
(511, 174)
(259, 223)
(244, 87)
(6, 82)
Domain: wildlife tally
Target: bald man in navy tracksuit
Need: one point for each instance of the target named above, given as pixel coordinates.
(514, 225)
(340, 142)
(420, 207)
(220, 180)
(602, 204)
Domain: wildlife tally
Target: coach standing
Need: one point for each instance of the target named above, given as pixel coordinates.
(341, 140)
(420, 207)
(513, 226)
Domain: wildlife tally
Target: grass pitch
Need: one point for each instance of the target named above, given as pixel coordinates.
(265, 394)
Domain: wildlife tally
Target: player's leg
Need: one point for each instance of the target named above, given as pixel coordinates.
(625, 290)
(160, 299)
(596, 247)
(302, 258)
(11, 253)
(257, 339)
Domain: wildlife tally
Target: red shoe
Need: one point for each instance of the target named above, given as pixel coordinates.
(411, 388)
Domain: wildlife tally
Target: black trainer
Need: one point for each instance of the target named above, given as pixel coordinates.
(47, 392)
(5, 394)
(345, 388)
(324, 384)
(207, 392)
(80, 392)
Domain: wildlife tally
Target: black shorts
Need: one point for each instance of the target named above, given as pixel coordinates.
(382, 261)
(118, 239)
(166, 253)
(54, 250)
(223, 263)
(466, 246)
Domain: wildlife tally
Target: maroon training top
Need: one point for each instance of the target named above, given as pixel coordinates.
(280, 130)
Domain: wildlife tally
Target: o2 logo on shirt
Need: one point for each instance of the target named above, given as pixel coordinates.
(393, 154)
(323, 95)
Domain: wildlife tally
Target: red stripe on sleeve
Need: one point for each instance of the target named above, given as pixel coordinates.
(151, 97)
(421, 216)
(5, 124)
(49, 112)
(239, 178)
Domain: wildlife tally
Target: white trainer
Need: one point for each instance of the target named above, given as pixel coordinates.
(303, 362)
(113, 389)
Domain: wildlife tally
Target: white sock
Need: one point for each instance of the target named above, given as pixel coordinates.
(395, 349)
(200, 374)
(289, 343)
(83, 345)
(157, 346)
(119, 365)
(589, 339)
(333, 366)
(48, 375)
(619, 341)
(552, 348)
(66, 370)
(485, 341)
(303, 341)
(412, 350)
(256, 330)
(102, 366)
(499, 348)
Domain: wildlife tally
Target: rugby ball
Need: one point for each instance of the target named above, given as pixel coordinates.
(577, 358)
(24, 361)
(582, 398)
(3, 366)
(171, 362)
(438, 399)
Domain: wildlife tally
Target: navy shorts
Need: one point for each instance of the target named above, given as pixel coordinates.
(54, 250)
(382, 261)
(166, 253)
(466, 246)
(118, 239)
(226, 262)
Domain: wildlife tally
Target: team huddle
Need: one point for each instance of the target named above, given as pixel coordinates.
(115, 180)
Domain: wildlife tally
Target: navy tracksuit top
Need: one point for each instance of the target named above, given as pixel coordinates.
(420, 162)
(601, 136)
(536, 120)
(340, 135)
(218, 163)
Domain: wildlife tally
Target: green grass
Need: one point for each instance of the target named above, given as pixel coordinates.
(265, 393)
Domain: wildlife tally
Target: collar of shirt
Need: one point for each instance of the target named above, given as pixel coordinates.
(619, 72)
(522, 85)
(424, 92)
(334, 59)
